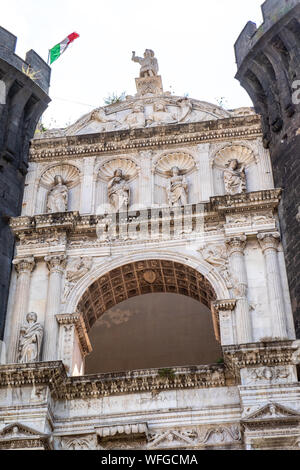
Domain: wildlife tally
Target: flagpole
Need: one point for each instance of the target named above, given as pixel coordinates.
(48, 60)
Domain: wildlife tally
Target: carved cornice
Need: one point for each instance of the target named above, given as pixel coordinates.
(77, 320)
(258, 354)
(225, 305)
(128, 431)
(218, 306)
(210, 213)
(155, 137)
(54, 375)
(246, 202)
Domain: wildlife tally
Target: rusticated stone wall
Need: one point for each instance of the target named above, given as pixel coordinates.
(268, 60)
(22, 102)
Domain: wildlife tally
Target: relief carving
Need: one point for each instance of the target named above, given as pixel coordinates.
(216, 255)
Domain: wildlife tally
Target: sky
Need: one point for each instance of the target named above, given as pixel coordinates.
(193, 41)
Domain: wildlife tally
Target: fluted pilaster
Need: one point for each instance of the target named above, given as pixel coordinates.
(24, 268)
(56, 265)
(269, 244)
(235, 248)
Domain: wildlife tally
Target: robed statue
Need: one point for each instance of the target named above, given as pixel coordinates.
(177, 188)
(58, 196)
(30, 342)
(234, 178)
(148, 63)
(118, 191)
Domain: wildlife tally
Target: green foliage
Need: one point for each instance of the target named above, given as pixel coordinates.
(166, 373)
(115, 98)
(222, 102)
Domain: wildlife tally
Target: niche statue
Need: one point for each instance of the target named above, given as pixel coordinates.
(31, 335)
(177, 188)
(58, 196)
(118, 191)
(234, 178)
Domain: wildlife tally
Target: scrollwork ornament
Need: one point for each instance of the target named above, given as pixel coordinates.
(269, 241)
(56, 263)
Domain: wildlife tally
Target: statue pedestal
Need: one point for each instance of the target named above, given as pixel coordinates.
(151, 85)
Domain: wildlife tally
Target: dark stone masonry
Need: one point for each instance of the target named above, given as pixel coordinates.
(22, 102)
(268, 60)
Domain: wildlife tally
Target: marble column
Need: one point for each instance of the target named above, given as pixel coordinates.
(204, 173)
(269, 243)
(235, 248)
(87, 185)
(24, 268)
(145, 178)
(56, 265)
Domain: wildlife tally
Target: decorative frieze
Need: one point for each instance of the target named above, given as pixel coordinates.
(255, 355)
(54, 375)
(153, 137)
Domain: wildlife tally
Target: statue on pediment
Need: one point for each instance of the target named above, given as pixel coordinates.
(148, 63)
(185, 108)
(30, 342)
(118, 191)
(234, 178)
(177, 189)
(58, 196)
(136, 118)
(160, 114)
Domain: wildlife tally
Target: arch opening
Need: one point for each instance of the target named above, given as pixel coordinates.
(149, 314)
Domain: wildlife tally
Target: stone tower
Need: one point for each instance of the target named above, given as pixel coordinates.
(23, 98)
(268, 60)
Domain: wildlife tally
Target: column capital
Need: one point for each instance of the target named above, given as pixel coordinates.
(56, 263)
(236, 244)
(269, 240)
(24, 265)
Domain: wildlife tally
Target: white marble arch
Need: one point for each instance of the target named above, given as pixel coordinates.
(100, 184)
(245, 153)
(73, 186)
(193, 261)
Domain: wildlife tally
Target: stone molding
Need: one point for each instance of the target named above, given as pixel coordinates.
(212, 212)
(77, 320)
(227, 305)
(16, 436)
(266, 354)
(61, 386)
(155, 137)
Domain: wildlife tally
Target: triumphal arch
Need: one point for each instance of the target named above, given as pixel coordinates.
(149, 306)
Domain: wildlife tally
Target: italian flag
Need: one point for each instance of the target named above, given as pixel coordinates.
(60, 48)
